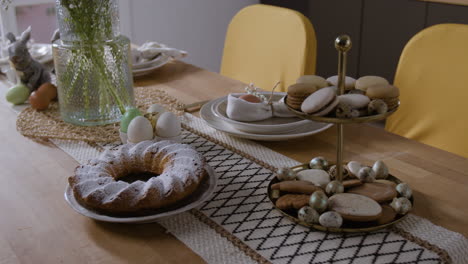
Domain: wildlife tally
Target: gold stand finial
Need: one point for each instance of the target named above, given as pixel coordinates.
(342, 44)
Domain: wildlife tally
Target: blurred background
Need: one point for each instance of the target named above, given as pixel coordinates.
(199, 26)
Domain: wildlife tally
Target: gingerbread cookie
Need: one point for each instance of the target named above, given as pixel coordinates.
(290, 201)
(304, 187)
(351, 183)
(388, 214)
(379, 192)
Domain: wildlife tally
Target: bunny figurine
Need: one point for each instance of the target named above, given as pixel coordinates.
(31, 72)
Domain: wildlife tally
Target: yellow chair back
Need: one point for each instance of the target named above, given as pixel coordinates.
(432, 75)
(266, 44)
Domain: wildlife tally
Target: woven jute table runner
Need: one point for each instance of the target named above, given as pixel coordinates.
(238, 224)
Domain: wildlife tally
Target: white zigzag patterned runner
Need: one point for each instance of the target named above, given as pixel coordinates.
(240, 211)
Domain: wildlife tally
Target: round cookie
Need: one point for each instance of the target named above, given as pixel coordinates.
(316, 80)
(388, 214)
(298, 92)
(388, 93)
(355, 207)
(301, 90)
(321, 102)
(317, 177)
(386, 182)
(366, 81)
(356, 101)
(382, 91)
(379, 192)
(349, 82)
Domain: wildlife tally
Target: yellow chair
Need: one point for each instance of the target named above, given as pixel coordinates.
(266, 44)
(432, 75)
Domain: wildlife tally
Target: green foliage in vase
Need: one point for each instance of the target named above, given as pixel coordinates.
(93, 54)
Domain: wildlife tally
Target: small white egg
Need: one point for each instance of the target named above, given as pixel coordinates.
(156, 109)
(139, 129)
(168, 125)
(123, 137)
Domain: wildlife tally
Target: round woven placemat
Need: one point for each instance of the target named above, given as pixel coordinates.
(48, 124)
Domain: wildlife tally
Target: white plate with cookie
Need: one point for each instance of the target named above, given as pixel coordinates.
(308, 129)
(273, 125)
(203, 192)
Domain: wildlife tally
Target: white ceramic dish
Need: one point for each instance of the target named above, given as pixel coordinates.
(273, 126)
(153, 65)
(41, 52)
(204, 191)
(215, 122)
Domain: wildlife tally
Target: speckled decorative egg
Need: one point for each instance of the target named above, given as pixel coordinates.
(130, 114)
(308, 214)
(380, 170)
(334, 187)
(319, 163)
(346, 111)
(250, 98)
(139, 129)
(366, 174)
(319, 201)
(404, 190)
(401, 205)
(354, 167)
(285, 174)
(333, 170)
(377, 107)
(168, 125)
(331, 219)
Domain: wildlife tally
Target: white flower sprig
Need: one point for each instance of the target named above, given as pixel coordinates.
(256, 91)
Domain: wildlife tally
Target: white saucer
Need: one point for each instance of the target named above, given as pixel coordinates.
(270, 126)
(159, 61)
(215, 122)
(204, 191)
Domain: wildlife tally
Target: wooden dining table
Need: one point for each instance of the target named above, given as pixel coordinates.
(37, 226)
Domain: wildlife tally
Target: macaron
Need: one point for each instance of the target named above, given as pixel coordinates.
(321, 102)
(316, 80)
(382, 91)
(388, 93)
(366, 81)
(298, 92)
(349, 82)
(356, 101)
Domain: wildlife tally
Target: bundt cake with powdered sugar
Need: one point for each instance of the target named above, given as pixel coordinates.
(177, 168)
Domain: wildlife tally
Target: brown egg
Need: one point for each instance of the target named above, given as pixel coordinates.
(38, 101)
(49, 89)
(250, 98)
(41, 98)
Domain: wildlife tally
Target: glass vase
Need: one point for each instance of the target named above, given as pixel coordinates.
(92, 63)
